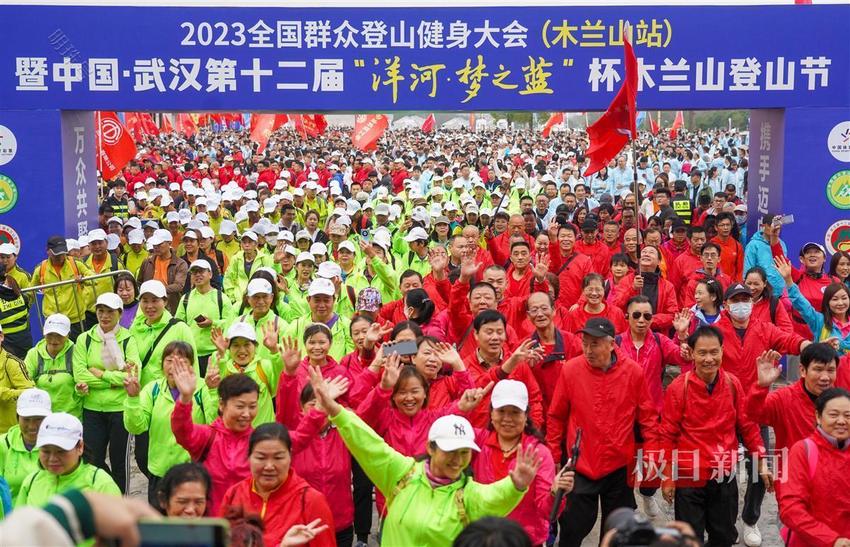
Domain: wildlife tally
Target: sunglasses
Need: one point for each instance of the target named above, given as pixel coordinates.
(637, 315)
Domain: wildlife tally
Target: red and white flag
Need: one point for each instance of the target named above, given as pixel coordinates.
(115, 146)
(368, 128)
(610, 133)
(554, 119)
(677, 123)
(429, 124)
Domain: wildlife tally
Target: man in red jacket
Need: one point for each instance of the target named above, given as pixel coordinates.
(568, 264)
(703, 413)
(522, 278)
(605, 395)
(648, 282)
(500, 246)
(594, 249)
(710, 257)
(689, 261)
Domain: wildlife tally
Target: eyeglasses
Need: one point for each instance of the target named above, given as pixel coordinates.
(637, 315)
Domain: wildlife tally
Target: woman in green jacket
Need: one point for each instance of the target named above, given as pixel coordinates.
(148, 410)
(18, 456)
(13, 381)
(50, 365)
(103, 355)
(431, 501)
(60, 450)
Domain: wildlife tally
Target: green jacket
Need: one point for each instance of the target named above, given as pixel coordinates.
(38, 487)
(104, 284)
(151, 411)
(294, 304)
(56, 377)
(133, 260)
(145, 335)
(105, 394)
(418, 513)
(342, 343)
(13, 381)
(214, 305)
(16, 462)
(266, 372)
(282, 325)
(72, 300)
(235, 278)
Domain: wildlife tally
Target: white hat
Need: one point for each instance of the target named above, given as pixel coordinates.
(286, 195)
(200, 263)
(163, 236)
(416, 234)
(298, 192)
(112, 242)
(382, 209)
(250, 234)
(227, 227)
(286, 235)
(452, 433)
(135, 237)
(113, 301)
(290, 250)
(269, 205)
(241, 329)
(8, 249)
(110, 220)
(154, 287)
(347, 245)
(207, 232)
(383, 239)
(302, 234)
(60, 429)
(259, 286)
(172, 216)
(486, 212)
(510, 393)
(33, 402)
(72, 244)
(252, 207)
(57, 324)
(305, 257)
(319, 249)
(97, 235)
(329, 270)
(135, 222)
(83, 241)
(321, 286)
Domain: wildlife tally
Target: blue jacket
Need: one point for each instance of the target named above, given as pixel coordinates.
(814, 319)
(758, 253)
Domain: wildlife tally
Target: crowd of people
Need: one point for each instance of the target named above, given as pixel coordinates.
(286, 333)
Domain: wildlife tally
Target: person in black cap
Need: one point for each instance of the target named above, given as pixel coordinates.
(590, 245)
(812, 282)
(759, 250)
(71, 300)
(604, 394)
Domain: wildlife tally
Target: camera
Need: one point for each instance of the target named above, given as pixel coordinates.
(635, 529)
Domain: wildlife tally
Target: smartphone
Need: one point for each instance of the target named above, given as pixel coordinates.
(199, 318)
(205, 532)
(403, 348)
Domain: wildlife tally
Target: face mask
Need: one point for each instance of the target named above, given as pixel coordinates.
(741, 310)
(741, 220)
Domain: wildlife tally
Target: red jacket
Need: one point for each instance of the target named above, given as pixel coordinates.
(842, 379)
(460, 331)
(739, 357)
(761, 312)
(288, 411)
(398, 180)
(577, 318)
(731, 257)
(686, 295)
(438, 291)
(598, 253)
(817, 508)
(571, 271)
(606, 405)
(294, 502)
(567, 345)
(480, 416)
(667, 304)
(657, 351)
(682, 268)
(525, 285)
(812, 288)
(703, 426)
(500, 247)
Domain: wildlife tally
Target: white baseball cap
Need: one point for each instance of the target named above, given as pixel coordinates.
(290, 250)
(305, 257)
(319, 249)
(172, 216)
(113, 301)
(416, 234)
(227, 227)
(510, 393)
(321, 286)
(136, 237)
(452, 433)
(97, 235)
(203, 264)
(57, 324)
(250, 234)
(207, 232)
(154, 287)
(346, 245)
(34, 402)
(302, 234)
(329, 270)
(8, 249)
(259, 286)
(60, 429)
(240, 329)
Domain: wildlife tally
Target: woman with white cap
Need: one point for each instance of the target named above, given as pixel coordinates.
(243, 265)
(50, 365)
(13, 380)
(103, 355)
(60, 453)
(18, 457)
(510, 431)
(428, 502)
(294, 303)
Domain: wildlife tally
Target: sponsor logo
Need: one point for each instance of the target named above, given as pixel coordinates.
(8, 194)
(9, 235)
(838, 237)
(838, 142)
(838, 189)
(8, 145)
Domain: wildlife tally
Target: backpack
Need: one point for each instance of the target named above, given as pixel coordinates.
(197, 396)
(171, 322)
(39, 371)
(218, 298)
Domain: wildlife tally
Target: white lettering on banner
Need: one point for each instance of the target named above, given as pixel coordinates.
(515, 35)
(405, 37)
(103, 74)
(256, 73)
(784, 75)
(289, 34)
(674, 76)
(148, 75)
(602, 71)
(816, 69)
(714, 77)
(764, 167)
(373, 33)
(744, 73)
(430, 34)
(345, 35)
(327, 75)
(487, 34)
(67, 73)
(645, 80)
(221, 75)
(31, 73)
(458, 35)
(188, 70)
(80, 180)
(261, 35)
(291, 64)
(79, 146)
(317, 34)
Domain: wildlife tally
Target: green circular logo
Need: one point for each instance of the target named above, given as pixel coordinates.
(8, 194)
(838, 189)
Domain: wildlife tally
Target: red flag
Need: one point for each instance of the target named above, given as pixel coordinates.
(115, 146)
(279, 120)
(554, 119)
(321, 123)
(298, 120)
(429, 123)
(368, 128)
(165, 124)
(186, 125)
(677, 123)
(203, 120)
(654, 126)
(134, 126)
(308, 128)
(471, 121)
(610, 133)
(148, 125)
(262, 126)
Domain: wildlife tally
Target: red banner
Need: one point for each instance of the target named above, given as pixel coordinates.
(115, 146)
(186, 125)
(148, 125)
(165, 124)
(655, 126)
(134, 126)
(554, 119)
(677, 123)
(368, 129)
(262, 126)
(279, 121)
(429, 124)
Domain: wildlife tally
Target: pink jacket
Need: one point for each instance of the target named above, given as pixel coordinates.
(325, 463)
(288, 410)
(533, 511)
(438, 326)
(652, 359)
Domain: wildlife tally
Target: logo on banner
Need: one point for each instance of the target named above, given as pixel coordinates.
(838, 189)
(839, 142)
(8, 194)
(111, 131)
(9, 235)
(8, 145)
(838, 237)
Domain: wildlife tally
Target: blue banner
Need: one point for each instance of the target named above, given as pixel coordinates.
(322, 59)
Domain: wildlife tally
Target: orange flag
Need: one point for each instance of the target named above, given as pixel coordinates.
(368, 128)
(115, 146)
